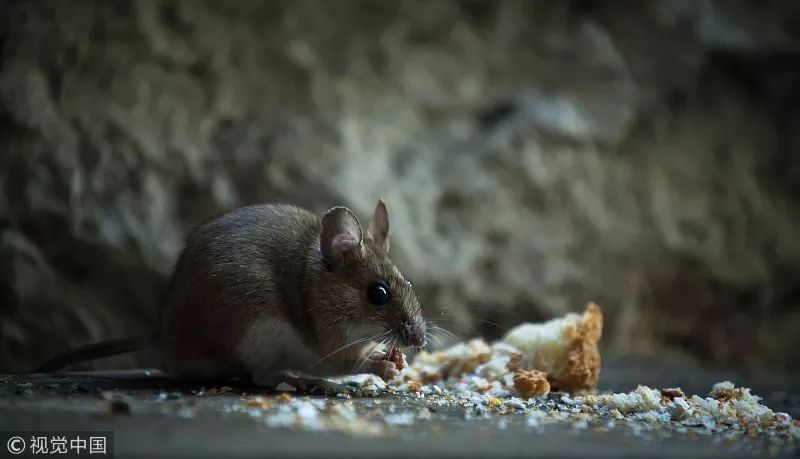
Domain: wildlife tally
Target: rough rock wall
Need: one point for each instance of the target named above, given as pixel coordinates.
(534, 155)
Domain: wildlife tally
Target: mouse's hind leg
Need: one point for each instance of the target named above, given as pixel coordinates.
(273, 353)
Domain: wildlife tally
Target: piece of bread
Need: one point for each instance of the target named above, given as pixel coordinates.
(395, 355)
(565, 348)
(531, 383)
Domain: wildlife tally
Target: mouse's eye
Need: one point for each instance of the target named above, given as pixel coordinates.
(378, 293)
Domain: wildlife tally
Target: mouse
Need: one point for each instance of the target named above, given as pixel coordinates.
(267, 289)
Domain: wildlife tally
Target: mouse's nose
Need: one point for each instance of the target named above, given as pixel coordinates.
(411, 337)
(416, 340)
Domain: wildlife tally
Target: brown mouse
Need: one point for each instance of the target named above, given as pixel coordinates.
(268, 288)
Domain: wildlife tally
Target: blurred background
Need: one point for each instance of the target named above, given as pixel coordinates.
(534, 156)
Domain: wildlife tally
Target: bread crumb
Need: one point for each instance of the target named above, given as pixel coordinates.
(531, 383)
(640, 400)
(671, 393)
(453, 361)
(395, 356)
(725, 391)
(257, 402)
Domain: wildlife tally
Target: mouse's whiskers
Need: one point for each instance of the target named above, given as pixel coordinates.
(466, 330)
(489, 322)
(368, 353)
(448, 333)
(358, 341)
(473, 305)
(431, 338)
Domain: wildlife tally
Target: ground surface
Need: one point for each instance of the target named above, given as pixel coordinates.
(168, 418)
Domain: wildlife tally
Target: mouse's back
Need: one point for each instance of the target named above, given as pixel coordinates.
(232, 270)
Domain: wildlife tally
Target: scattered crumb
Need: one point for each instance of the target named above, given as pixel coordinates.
(640, 400)
(258, 402)
(669, 394)
(531, 383)
(726, 391)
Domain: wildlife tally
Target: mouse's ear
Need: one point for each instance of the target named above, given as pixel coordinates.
(379, 226)
(341, 233)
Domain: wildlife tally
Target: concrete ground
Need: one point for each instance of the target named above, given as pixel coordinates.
(168, 418)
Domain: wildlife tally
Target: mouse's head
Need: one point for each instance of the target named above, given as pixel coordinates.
(360, 291)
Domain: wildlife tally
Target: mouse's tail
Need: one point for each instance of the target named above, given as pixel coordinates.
(96, 351)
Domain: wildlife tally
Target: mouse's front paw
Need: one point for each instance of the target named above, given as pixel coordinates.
(377, 355)
(383, 368)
